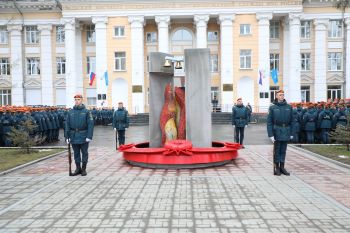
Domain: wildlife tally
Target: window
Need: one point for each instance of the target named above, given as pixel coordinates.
(335, 29)
(61, 65)
(90, 34)
(151, 37)
(4, 66)
(214, 63)
(91, 64)
(305, 61)
(245, 58)
(273, 90)
(213, 36)
(3, 35)
(32, 35)
(305, 28)
(334, 61)
(305, 94)
(119, 58)
(5, 97)
(274, 29)
(91, 96)
(334, 92)
(33, 66)
(119, 31)
(244, 29)
(182, 35)
(60, 36)
(274, 61)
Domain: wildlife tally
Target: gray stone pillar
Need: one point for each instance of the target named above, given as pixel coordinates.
(159, 77)
(198, 107)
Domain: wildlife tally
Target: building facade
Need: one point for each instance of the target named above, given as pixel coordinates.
(50, 50)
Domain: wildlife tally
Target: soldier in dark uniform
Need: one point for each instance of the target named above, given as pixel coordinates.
(340, 117)
(79, 131)
(120, 123)
(324, 123)
(296, 124)
(279, 129)
(239, 120)
(309, 122)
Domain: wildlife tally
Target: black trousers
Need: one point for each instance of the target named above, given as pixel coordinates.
(239, 135)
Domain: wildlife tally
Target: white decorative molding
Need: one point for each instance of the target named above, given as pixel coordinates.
(321, 24)
(99, 19)
(4, 50)
(306, 79)
(335, 45)
(136, 21)
(45, 27)
(5, 83)
(226, 19)
(32, 83)
(274, 46)
(264, 18)
(60, 50)
(335, 78)
(60, 83)
(14, 27)
(294, 19)
(201, 20)
(305, 46)
(32, 50)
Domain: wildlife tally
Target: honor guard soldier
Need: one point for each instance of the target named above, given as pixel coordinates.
(239, 120)
(79, 131)
(120, 123)
(279, 129)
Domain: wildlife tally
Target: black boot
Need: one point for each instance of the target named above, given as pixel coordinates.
(83, 172)
(284, 171)
(277, 171)
(77, 169)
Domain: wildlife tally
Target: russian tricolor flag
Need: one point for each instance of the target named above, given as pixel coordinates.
(92, 77)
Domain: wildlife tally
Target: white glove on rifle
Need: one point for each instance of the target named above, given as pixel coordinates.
(291, 137)
(67, 140)
(88, 140)
(115, 129)
(272, 139)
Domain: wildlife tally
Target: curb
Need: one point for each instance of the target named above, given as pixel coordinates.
(30, 163)
(299, 148)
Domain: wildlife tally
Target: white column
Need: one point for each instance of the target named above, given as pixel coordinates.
(71, 76)
(79, 59)
(101, 55)
(226, 59)
(347, 65)
(17, 92)
(201, 22)
(163, 33)
(264, 57)
(294, 94)
(46, 64)
(286, 52)
(320, 68)
(137, 62)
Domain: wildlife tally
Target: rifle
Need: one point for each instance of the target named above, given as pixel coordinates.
(70, 160)
(274, 156)
(116, 140)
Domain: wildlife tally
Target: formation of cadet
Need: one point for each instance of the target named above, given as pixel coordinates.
(312, 122)
(46, 120)
(102, 116)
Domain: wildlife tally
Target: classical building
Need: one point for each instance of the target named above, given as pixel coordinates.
(50, 50)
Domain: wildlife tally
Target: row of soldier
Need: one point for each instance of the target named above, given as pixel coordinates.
(47, 121)
(312, 122)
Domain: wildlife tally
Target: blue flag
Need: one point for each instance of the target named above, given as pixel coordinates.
(260, 77)
(274, 76)
(106, 77)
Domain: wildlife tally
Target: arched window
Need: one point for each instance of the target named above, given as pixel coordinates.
(182, 35)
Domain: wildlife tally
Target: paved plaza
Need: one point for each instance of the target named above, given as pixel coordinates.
(242, 196)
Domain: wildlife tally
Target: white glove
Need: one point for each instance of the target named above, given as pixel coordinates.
(88, 140)
(246, 126)
(67, 140)
(272, 139)
(115, 129)
(291, 137)
(233, 126)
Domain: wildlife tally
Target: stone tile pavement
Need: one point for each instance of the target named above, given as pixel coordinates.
(242, 196)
